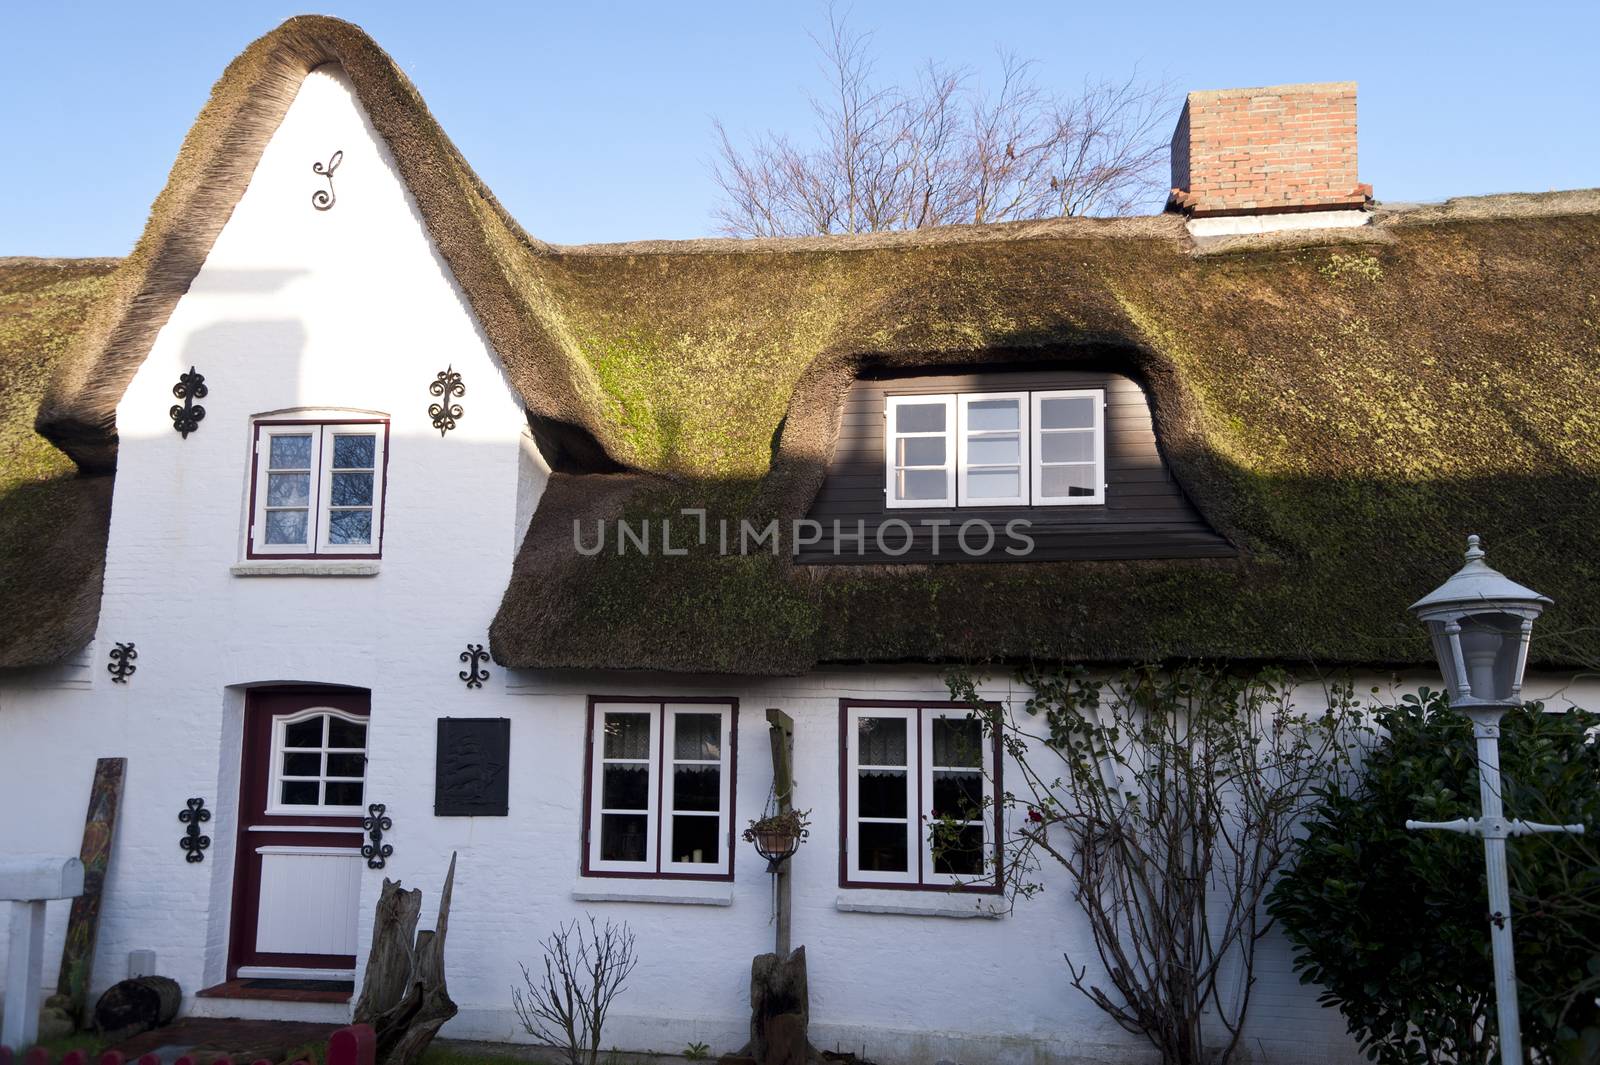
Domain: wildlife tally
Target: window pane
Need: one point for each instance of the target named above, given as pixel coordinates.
(958, 741)
(622, 837)
(697, 787)
(958, 794)
(881, 741)
(625, 787)
(882, 793)
(298, 793)
(959, 852)
(289, 453)
(694, 839)
(881, 848)
(627, 736)
(350, 527)
(347, 734)
(288, 489)
(994, 484)
(919, 451)
(1068, 480)
(919, 418)
(308, 764)
(1076, 412)
(352, 489)
(286, 526)
(347, 765)
(1067, 447)
(994, 450)
(354, 452)
(343, 793)
(920, 484)
(307, 733)
(697, 736)
(994, 414)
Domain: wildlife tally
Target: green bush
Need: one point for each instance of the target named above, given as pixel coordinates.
(1392, 924)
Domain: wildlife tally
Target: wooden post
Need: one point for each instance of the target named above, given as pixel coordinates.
(99, 829)
(781, 733)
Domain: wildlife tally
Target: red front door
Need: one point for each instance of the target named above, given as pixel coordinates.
(297, 881)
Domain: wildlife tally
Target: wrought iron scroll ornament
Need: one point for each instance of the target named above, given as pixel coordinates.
(193, 843)
(186, 416)
(447, 384)
(324, 199)
(122, 667)
(375, 824)
(473, 675)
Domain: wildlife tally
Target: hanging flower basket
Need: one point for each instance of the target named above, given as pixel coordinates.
(778, 836)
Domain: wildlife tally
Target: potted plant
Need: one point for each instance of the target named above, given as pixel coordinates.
(778, 835)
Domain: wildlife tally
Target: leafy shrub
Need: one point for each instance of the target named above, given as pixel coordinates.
(1392, 923)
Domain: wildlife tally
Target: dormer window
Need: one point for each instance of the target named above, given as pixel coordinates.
(317, 488)
(987, 449)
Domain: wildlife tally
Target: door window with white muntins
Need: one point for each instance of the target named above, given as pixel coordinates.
(317, 489)
(319, 764)
(660, 790)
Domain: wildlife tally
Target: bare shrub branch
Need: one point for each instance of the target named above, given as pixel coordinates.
(583, 971)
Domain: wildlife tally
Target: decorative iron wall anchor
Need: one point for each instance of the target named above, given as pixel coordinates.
(324, 199)
(186, 416)
(122, 667)
(446, 385)
(473, 675)
(193, 843)
(375, 824)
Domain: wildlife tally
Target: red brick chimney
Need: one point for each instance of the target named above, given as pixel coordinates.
(1278, 150)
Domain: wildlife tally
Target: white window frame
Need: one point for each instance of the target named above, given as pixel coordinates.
(275, 777)
(919, 802)
(965, 435)
(990, 811)
(320, 489)
(659, 809)
(1099, 432)
(891, 410)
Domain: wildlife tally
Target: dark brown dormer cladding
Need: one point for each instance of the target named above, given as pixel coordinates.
(1145, 514)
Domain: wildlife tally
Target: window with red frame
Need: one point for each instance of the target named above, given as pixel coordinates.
(918, 807)
(660, 788)
(317, 489)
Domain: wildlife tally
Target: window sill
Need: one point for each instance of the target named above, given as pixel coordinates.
(677, 892)
(919, 903)
(310, 567)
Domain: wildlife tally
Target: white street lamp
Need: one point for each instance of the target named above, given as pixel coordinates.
(1481, 622)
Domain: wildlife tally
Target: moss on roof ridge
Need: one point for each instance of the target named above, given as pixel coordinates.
(52, 522)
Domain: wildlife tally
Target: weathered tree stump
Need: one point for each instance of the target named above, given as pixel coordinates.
(137, 1005)
(403, 994)
(780, 1009)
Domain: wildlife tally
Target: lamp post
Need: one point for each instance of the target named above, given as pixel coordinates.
(1480, 623)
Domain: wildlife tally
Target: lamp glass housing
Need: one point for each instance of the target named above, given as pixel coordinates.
(1486, 652)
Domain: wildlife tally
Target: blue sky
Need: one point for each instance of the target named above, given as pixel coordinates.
(592, 122)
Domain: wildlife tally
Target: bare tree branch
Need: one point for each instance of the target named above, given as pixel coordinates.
(940, 151)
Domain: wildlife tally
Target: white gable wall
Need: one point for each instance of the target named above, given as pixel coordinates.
(351, 307)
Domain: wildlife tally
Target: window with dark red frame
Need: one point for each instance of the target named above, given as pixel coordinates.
(919, 805)
(659, 788)
(317, 488)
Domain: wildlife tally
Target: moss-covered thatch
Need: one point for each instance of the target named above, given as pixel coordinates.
(1344, 407)
(52, 521)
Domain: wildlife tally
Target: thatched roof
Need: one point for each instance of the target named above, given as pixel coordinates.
(1343, 406)
(52, 521)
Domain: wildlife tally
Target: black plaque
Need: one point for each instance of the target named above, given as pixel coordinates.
(471, 768)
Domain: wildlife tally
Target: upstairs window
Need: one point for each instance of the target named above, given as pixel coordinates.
(986, 449)
(660, 789)
(317, 489)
